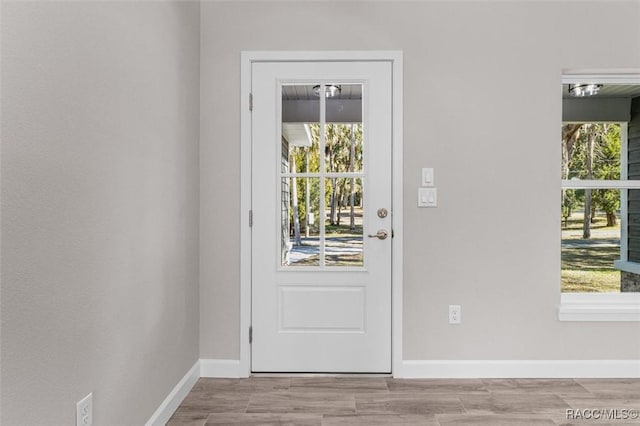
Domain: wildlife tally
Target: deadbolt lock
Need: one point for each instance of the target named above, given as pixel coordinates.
(382, 213)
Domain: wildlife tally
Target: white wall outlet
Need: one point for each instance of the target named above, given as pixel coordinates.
(427, 176)
(454, 314)
(84, 411)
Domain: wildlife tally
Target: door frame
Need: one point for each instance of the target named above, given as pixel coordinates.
(247, 59)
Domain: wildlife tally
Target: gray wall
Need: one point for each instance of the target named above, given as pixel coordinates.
(100, 188)
(493, 243)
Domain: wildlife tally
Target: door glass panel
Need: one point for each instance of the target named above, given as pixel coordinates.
(300, 230)
(343, 223)
(321, 207)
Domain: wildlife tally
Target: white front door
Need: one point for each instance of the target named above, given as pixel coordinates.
(322, 222)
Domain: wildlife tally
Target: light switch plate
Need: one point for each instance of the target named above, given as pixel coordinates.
(427, 197)
(427, 176)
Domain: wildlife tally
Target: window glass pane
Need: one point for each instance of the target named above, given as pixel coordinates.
(343, 130)
(300, 117)
(333, 236)
(343, 224)
(590, 240)
(591, 151)
(300, 233)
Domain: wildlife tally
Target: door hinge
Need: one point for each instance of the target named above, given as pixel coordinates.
(250, 101)
(250, 334)
(250, 218)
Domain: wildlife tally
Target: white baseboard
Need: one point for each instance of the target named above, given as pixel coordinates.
(220, 368)
(177, 395)
(519, 369)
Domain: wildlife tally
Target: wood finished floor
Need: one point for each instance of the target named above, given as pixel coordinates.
(315, 401)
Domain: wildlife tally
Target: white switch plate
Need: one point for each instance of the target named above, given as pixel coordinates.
(427, 197)
(427, 177)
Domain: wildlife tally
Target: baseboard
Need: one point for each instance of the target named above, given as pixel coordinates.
(519, 369)
(177, 395)
(220, 368)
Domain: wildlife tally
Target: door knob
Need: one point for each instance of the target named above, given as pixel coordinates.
(382, 234)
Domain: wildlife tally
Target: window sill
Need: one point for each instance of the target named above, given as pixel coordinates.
(599, 307)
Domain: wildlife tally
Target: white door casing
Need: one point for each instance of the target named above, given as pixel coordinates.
(242, 367)
(322, 318)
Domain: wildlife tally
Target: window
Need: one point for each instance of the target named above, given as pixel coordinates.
(591, 222)
(600, 199)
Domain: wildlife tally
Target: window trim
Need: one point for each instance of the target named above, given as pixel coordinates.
(599, 307)
(605, 307)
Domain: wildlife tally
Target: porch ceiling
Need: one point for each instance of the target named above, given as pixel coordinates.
(609, 91)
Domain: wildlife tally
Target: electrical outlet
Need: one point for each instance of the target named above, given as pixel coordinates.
(454, 314)
(84, 411)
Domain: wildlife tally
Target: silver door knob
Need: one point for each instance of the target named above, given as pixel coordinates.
(382, 234)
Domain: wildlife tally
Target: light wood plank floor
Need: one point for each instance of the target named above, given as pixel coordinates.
(385, 401)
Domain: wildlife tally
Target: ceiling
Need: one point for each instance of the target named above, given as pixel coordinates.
(305, 92)
(609, 91)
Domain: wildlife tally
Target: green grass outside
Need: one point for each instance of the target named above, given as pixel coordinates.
(589, 268)
(590, 281)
